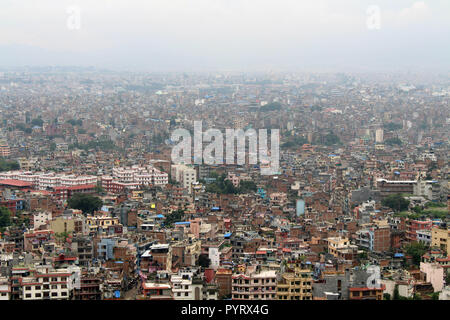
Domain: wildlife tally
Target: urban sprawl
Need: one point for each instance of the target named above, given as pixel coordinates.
(92, 206)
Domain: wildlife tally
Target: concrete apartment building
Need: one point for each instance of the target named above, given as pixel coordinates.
(223, 279)
(184, 174)
(185, 286)
(412, 226)
(440, 238)
(296, 285)
(254, 286)
(50, 284)
(377, 238)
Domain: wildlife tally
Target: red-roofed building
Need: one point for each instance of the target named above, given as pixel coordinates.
(16, 184)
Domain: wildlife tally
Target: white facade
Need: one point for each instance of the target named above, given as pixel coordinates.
(43, 181)
(214, 256)
(379, 135)
(41, 219)
(184, 288)
(55, 284)
(184, 174)
(140, 175)
(5, 290)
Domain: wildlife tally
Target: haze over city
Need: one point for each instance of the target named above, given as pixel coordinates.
(243, 35)
(218, 150)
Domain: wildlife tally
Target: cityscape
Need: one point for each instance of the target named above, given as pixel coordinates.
(286, 184)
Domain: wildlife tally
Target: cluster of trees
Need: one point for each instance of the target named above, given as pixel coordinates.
(295, 142)
(416, 250)
(23, 127)
(6, 165)
(273, 106)
(431, 209)
(176, 216)
(37, 122)
(85, 202)
(330, 139)
(223, 186)
(396, 202)
(393, 141)
(104, 145)
(392, 126)
(74, 122)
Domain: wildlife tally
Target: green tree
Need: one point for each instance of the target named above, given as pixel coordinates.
(396, 202)
(396, 295)
(331, 139)
(393, 141)
(37, 122)
(6, 165)
(392, 126)
(5, 218)
(85, 202)
(176, 216)
(203, 261)
(416, 250)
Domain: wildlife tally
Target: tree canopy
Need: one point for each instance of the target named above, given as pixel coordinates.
(85, 202)
(224, 186)
(416, 250)
(5, 218)
(203, 261)
(6, 165)
(396, 202)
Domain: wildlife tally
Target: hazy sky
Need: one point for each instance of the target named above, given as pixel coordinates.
(189, 35)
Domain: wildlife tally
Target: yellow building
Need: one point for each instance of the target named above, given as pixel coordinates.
(337, 243)
(63, 224)
(295, 285)
(137, 195)
(440, 239)
(101, 221)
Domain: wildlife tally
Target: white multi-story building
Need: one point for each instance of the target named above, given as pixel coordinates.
(49, 283)
(379, 135)
(41, 219)
(5, 289)
(42, 181)
(254, 286)
(141, 175)
(183, 288)
(184, 174)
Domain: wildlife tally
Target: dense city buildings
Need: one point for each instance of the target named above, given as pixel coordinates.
(93, 206)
